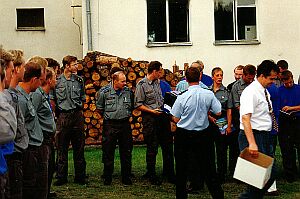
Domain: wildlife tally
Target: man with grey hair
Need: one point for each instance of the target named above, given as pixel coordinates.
(183, 84)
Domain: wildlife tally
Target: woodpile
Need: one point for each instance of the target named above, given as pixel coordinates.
(95, 69)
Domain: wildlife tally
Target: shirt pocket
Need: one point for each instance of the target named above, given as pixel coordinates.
(110, 106)
(150, 97)
(127, 103)
(61, 93)
(75, 92)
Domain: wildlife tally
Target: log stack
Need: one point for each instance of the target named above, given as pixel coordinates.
(95, 69)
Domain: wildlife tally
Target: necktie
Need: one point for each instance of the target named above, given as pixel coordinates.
(274, 123)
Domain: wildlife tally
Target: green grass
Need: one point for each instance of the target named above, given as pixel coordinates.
(141, 188)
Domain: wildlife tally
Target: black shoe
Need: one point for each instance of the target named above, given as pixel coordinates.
(52, 194)
(126, 181)
(107, 180)
(154, 180)
(60, 182)
(81, 181)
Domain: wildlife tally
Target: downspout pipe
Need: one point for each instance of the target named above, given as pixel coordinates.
(89, 25)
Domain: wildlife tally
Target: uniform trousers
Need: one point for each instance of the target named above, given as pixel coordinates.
(263, 141)
(289, 142)
(35, 172)
(70, 129)
(155, 134)
(14, 188)
(200, 144)
(48, 141)
(116, 132)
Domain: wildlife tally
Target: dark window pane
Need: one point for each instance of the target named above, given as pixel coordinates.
(178, 21)
(28, 18)
(246, 23)
(245, 2)
(224, 20)
(156, 21)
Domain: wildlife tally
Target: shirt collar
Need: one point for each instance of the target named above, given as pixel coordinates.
(23, 92)
(151, 81)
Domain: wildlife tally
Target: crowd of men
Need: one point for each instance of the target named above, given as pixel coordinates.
(41, 108)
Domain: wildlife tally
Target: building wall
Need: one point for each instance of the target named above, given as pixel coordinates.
(120, 28)
(60, 38)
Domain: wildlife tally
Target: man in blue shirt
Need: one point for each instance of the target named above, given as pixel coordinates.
(192, 136)
(289, 128)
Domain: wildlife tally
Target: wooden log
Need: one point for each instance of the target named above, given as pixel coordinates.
(131, 76)
(87, 75)
(132, 126)
(88, 86)
(139, 119)
(93, 132)
(137, 69)
(87, 59)
(85, 106)
(130, 119)
(80, 67)
(116, 64)
(88, 113)
(90, 64)
(136, 113)
(97, 115)
(93, 107)
(135, 132)
(87, 120)
(129, 85)
(103, 83)
(141, 74)
(104, 72)
(95, 76)
(94, 122)
(142, 65)
(137, 125)
(108, 78)
(125, 63)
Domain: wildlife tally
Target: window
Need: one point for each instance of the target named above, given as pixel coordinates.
(167, 21)
(30, 19)
(235, 20)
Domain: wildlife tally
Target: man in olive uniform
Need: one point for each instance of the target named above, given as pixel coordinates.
(70, 97)
(149, 100)
(115, 102)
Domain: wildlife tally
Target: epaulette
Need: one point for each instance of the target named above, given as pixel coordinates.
(14, 96)
(142, 81)
(126, 88)
(78, 78)
(105, 89)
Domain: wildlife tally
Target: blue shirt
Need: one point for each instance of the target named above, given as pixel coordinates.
(165, 87)
(183, 85)
(207, 80)
(289, 97)
(192, 107)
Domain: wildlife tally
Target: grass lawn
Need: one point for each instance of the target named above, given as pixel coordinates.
(141, 188)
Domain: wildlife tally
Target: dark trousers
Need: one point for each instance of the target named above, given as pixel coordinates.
(35, 172)
(154, 135)
(223, 143)
(70, 129)
(263, 141)
(14, 188)
(51, 161)
(289, 142)
(200, 144)
(116, 132)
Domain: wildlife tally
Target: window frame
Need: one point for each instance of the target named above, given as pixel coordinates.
(33, 28)
(235, 27)
(167, 43)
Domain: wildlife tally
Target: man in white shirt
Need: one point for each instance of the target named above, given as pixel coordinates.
(256, 120)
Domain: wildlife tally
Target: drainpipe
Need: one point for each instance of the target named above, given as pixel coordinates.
(89, 25)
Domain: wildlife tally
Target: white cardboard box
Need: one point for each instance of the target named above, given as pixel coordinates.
(253, 171)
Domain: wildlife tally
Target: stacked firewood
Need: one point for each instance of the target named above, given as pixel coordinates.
(95, 69)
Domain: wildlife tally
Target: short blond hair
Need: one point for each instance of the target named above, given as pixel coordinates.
(39, 60)
(18, 56)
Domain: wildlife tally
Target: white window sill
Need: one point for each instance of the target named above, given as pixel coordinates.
(31, 29)
(242, 42)
(151, 45)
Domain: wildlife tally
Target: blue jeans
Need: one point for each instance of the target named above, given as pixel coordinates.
(263, 141)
